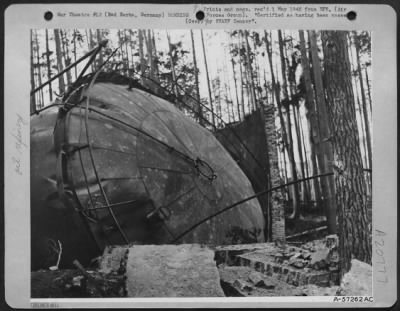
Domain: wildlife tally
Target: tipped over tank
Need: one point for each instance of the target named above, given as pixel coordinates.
(117, 165)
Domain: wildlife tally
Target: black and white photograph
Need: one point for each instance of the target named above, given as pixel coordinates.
(201, 162)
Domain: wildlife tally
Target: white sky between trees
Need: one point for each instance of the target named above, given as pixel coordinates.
(217, 44)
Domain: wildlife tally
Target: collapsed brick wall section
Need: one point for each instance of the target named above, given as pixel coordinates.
(314, 263)
(291, 275)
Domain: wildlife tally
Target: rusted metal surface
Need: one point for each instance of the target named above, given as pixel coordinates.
(137, 170)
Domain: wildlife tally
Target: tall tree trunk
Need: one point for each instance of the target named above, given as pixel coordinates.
(365, 153)
(155, 58)
(153, 82)
(57, 39)
(126, 53)
(294, 104)
(310, 112)
(368, 88)
(326, 155)
(275, 89)
(228, 92)
(196, 77)
(65, 52)
(33, 96)
(91, 46)
(155, 64)
(241, 87)
(99, 39)
(354, 233)
(48, 65)
(236, 90)
(357, 92)
(296, 211)
(41, 104)
(208, 80)
(303, 158)
(142, 60)
(122, 52)
(249, 71)
(243, 76)
(285, 169)
(74, 51)
(174, 80)
(150, 54)
(363, 100)
(258, 75)
(131, 58)
(304, 150)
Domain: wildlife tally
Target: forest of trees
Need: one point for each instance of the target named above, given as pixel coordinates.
(313, 88)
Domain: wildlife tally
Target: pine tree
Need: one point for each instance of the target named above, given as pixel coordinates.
(310, 111)
(354, 231)
(325, 157)
(33, 96)
(48, 65)
(296, 200)
(208, 81)
(57, 39)
(196, 76)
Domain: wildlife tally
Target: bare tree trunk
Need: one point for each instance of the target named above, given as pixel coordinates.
(304, 149)
(364, 101)
(74, 51)
(48, 65)
(196, 77)
(258, 75)
(236, 90)
(126, 53)
(311, 112)
(250, 72)
(123, 60)
(155, 58)
(303, 159)
(99, 39)
(154, 82)
(364, 144)
(369, 89)
(130, 56)
(242, 87)
(354, 233)
(41, 102)
(275, 90)
(174, 80)
(228, 92)
(155, 63)
(67, 59)
(61, 83)
(326, 155)
(208, 80)
(285, 169)
(33, 96)
(150, 54)
(296, 211)
(91, 46)
(142, 60)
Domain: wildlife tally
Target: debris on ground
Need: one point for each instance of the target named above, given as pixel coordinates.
(72, 284)
(192, 270)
